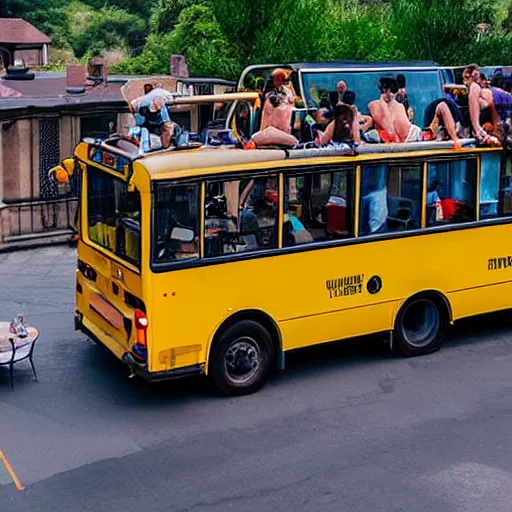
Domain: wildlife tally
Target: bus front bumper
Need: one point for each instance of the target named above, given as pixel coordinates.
(135, 367)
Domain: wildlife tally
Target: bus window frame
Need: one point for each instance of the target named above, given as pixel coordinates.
(162, 267)
(393, 162)
(506, 156)
(327, 244)
(84, 216)
(239, 177)
(476, 192)
(321, 169)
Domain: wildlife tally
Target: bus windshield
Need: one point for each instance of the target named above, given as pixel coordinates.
(423, 87)
(113, 215)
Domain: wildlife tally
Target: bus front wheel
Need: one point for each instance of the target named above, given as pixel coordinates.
(421, 326)
(241, 358)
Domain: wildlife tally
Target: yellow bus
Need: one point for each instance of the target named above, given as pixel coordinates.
(219, 261)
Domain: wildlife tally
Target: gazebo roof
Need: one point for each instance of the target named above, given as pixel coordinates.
(18, 31)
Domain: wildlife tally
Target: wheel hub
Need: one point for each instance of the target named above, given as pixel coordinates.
(242, 360)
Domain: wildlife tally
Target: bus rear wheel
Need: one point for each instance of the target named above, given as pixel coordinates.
(241, 358)
(421, 326)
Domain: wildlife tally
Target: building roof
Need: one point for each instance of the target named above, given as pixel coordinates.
(18, 31)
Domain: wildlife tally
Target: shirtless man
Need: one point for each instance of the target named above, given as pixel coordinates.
(389, 116)
(481, 106)
(392, 121)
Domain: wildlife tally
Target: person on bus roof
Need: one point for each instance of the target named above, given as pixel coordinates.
(345, 127)
(481, 107)
(403, 98)
(151, 114)
(279, 102)
(502, 100)
(393, 125)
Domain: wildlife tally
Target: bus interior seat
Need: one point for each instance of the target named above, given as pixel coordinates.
(401, 210)
(336, 216)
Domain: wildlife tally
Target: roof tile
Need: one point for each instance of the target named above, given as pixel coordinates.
(18, 31)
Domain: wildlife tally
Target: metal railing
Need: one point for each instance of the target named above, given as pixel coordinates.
(34, 218)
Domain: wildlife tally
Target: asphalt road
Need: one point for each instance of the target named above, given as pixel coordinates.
(345, 428)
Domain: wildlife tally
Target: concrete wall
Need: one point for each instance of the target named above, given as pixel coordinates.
(69, 135)
(19, 176)
(17, 161)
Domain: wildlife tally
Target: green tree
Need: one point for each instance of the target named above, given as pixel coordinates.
(107, 29)
(198, 36)
(438, 30)
(142, 8)
(246, 22)
(166, 13)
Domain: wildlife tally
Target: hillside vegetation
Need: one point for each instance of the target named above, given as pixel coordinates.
(220, 37)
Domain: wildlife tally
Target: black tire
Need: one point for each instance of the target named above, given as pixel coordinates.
(421, 326)
(241, 358)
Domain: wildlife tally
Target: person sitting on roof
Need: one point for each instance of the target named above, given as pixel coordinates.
(440, 122)
(403, 98)
(365, 122)
(482, 110)
(502, 101)
(389, 116)
(276, 118)
(279, 102)
(393, 125)
(344, 129)
(151, 113)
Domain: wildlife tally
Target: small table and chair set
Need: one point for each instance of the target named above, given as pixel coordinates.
(17, 346)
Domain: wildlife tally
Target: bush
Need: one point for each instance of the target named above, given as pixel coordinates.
(109, 29)
(438, 30)
(166, 14)
(198, 36)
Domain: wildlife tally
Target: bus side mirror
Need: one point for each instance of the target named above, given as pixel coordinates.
(182, 235)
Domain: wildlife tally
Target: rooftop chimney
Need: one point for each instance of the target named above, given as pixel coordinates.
(97, 71)
(75, 78)
(179, 68)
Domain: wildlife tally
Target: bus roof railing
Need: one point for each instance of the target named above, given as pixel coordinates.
(374, 149)
(178, 99)
(204, 155)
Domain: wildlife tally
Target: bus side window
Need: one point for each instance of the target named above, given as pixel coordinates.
(176, 223)
(390, 198)
(489, 184)
(506, 186)
(451, 194)
(241, 215)
(318, 207)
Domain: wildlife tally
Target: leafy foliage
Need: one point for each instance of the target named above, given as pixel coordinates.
(166, 13)
(106, 29)
(438, 30)
(220, 37)
(198, 36)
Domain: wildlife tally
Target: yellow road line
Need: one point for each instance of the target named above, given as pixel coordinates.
(14, 477)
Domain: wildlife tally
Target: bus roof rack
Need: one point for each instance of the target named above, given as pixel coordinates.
(370, 149)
